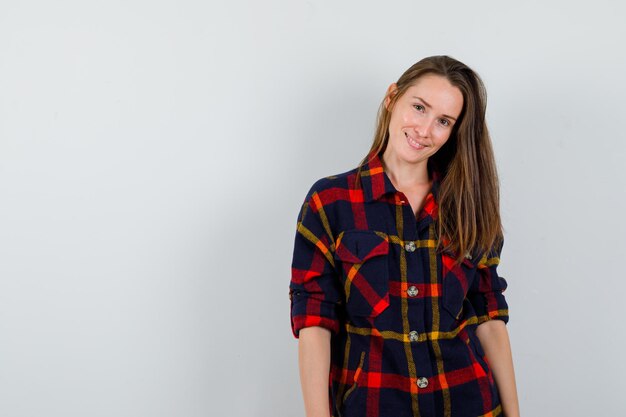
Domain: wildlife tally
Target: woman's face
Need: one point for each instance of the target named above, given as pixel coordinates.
(422, 118)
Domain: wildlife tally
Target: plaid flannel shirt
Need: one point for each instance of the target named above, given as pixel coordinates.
(403, 317)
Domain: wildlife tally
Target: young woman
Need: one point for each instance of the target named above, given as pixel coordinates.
(395, 296)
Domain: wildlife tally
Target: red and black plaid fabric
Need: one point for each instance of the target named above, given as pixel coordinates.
(403, 317)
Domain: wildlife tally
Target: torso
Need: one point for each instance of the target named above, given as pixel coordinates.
(376, 266)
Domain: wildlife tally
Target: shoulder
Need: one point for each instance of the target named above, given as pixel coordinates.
(325, 187)
(329, 200)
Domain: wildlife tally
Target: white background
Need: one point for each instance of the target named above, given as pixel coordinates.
(154, 155)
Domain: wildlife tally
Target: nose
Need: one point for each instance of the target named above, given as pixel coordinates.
(424, 128)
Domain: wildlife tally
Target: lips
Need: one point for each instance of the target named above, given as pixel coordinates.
(413, 143)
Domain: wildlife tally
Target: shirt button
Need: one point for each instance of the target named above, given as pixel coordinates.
(412, 291)
(422, 382)
(409, 246)
(413, 336)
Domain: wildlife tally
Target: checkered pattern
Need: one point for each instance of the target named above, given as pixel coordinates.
(403, 317)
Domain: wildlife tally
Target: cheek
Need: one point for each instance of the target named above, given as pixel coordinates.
(397, 123)
(407, 119)
(442, 138)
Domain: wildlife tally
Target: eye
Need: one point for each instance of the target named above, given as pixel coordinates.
(418, 107)
(444, 122)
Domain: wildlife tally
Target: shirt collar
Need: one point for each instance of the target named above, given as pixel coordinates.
(376, 183)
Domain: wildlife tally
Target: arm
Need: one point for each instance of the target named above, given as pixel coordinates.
(315, 299)
(314, 363)
(494, 339)
(487, 298)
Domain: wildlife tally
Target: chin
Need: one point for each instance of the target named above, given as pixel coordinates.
(414, 159)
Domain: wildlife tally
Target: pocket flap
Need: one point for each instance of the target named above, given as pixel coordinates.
(356, 246)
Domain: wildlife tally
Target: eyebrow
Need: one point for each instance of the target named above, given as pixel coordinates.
(429, 106)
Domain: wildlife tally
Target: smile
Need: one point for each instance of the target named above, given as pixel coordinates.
(413, 143)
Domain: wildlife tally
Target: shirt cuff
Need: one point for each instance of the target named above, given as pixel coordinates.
(307, 311)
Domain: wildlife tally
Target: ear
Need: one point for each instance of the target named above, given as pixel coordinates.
(391, 91)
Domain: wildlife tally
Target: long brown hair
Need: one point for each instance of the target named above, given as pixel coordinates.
(468, 220)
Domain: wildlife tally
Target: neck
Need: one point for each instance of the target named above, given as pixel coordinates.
(405, 175)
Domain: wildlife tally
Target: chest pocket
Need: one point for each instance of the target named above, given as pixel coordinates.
(456, 282)
(364, 261)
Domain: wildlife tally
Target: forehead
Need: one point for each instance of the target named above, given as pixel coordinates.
(438, 92)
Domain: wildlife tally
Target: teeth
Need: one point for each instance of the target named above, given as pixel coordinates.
(414, 142)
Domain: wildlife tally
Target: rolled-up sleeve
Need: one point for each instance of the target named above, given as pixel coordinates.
(314, 289)
(486, 292)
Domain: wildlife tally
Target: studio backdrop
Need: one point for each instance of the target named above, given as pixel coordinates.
(154, 156)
